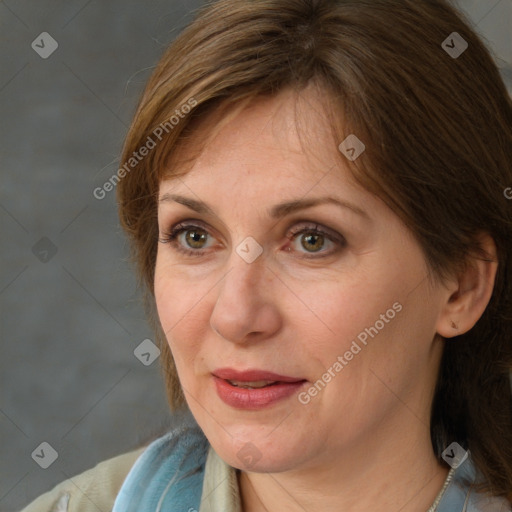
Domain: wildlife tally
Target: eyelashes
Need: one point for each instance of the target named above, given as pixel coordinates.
(314, 234)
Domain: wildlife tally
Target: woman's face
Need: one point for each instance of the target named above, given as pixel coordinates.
(326, 306)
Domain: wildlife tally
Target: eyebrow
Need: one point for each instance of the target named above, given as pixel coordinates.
(275, 212)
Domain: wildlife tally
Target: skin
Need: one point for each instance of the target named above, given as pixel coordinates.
(363, 442)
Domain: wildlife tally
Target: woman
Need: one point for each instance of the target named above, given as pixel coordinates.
(316, 192)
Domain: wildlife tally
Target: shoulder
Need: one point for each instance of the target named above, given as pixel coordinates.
(124, 480)
(92, 490)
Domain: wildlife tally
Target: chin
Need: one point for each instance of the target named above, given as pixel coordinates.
(253, 449)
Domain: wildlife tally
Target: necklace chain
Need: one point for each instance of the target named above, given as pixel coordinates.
(434, 506)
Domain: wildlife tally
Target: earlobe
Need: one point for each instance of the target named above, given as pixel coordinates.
(467, 297)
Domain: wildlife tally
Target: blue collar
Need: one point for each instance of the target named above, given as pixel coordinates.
(168, 476)
(461, 496)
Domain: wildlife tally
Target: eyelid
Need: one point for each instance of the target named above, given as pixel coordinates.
(171, 236)
(314, 226)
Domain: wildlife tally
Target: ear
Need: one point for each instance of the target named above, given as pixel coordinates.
(469, 293)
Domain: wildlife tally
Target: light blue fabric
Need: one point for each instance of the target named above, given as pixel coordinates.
(169, 475)
(459, 496)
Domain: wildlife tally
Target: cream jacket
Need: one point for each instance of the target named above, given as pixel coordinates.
(95, 490)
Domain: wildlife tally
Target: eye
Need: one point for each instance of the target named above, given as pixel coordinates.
(195, 236)
(190, 239)
(313, 239)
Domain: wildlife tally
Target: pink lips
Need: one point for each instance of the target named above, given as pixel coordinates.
(254, 398)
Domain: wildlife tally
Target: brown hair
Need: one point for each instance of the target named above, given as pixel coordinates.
(438, 135)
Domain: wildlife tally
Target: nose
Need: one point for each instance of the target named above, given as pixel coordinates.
(246, 308)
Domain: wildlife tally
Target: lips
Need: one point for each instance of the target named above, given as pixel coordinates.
(253, 389)
(252, 376)
(252, 384)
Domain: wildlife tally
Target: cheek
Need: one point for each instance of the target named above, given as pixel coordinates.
(347, 307)
(359, 323)
(380, 348)
(178, 304)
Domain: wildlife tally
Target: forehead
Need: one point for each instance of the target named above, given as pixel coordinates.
(281, 144)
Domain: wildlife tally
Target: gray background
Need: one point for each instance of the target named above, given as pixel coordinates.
(70, 321)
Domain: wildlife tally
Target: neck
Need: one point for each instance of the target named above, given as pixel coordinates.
(402, 476)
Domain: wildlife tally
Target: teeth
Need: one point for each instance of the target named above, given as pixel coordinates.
(253, 384)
